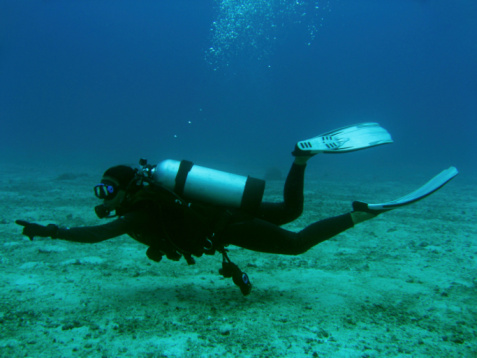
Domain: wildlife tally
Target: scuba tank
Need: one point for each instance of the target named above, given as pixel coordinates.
(206, 185)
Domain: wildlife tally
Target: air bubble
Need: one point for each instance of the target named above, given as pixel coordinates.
(252, 26)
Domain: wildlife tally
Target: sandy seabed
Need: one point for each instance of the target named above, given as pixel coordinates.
(402, 285)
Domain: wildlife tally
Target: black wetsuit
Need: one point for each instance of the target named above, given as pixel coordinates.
(162, 226)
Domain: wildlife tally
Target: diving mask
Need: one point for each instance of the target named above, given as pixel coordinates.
(106, 190)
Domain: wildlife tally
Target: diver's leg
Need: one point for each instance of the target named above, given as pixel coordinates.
(292, 206)
(263, 236)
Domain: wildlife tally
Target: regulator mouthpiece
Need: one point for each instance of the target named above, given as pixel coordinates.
(102, 212)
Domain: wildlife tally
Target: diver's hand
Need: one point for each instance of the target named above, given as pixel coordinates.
(32, 230)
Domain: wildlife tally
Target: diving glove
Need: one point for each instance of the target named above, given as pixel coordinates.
(32, 230)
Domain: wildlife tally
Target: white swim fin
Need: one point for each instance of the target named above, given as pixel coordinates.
(427, 189)
(343, 140)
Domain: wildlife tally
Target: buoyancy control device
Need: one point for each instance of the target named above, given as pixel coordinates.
(209, 186)
(206, 185)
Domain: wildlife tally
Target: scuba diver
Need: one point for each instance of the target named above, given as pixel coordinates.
(179, 209)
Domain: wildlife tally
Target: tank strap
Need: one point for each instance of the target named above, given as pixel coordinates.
(253, 194)
(181, 177)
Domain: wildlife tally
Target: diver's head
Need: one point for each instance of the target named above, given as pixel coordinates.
(113, 188)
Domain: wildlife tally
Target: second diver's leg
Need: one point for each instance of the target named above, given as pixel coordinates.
(292, 206)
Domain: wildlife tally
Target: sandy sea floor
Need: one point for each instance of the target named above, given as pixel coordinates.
(402, 285)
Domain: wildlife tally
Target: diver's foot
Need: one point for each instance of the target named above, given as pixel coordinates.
(302, 156)
(360, 216)
(306, 149)
(361, 207)
(301, 160)
(361, 212)
(364, 207)
(325, 143)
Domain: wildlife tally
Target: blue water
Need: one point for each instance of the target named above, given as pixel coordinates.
(236, 83)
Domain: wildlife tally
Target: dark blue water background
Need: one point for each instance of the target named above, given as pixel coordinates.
(106, 82)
